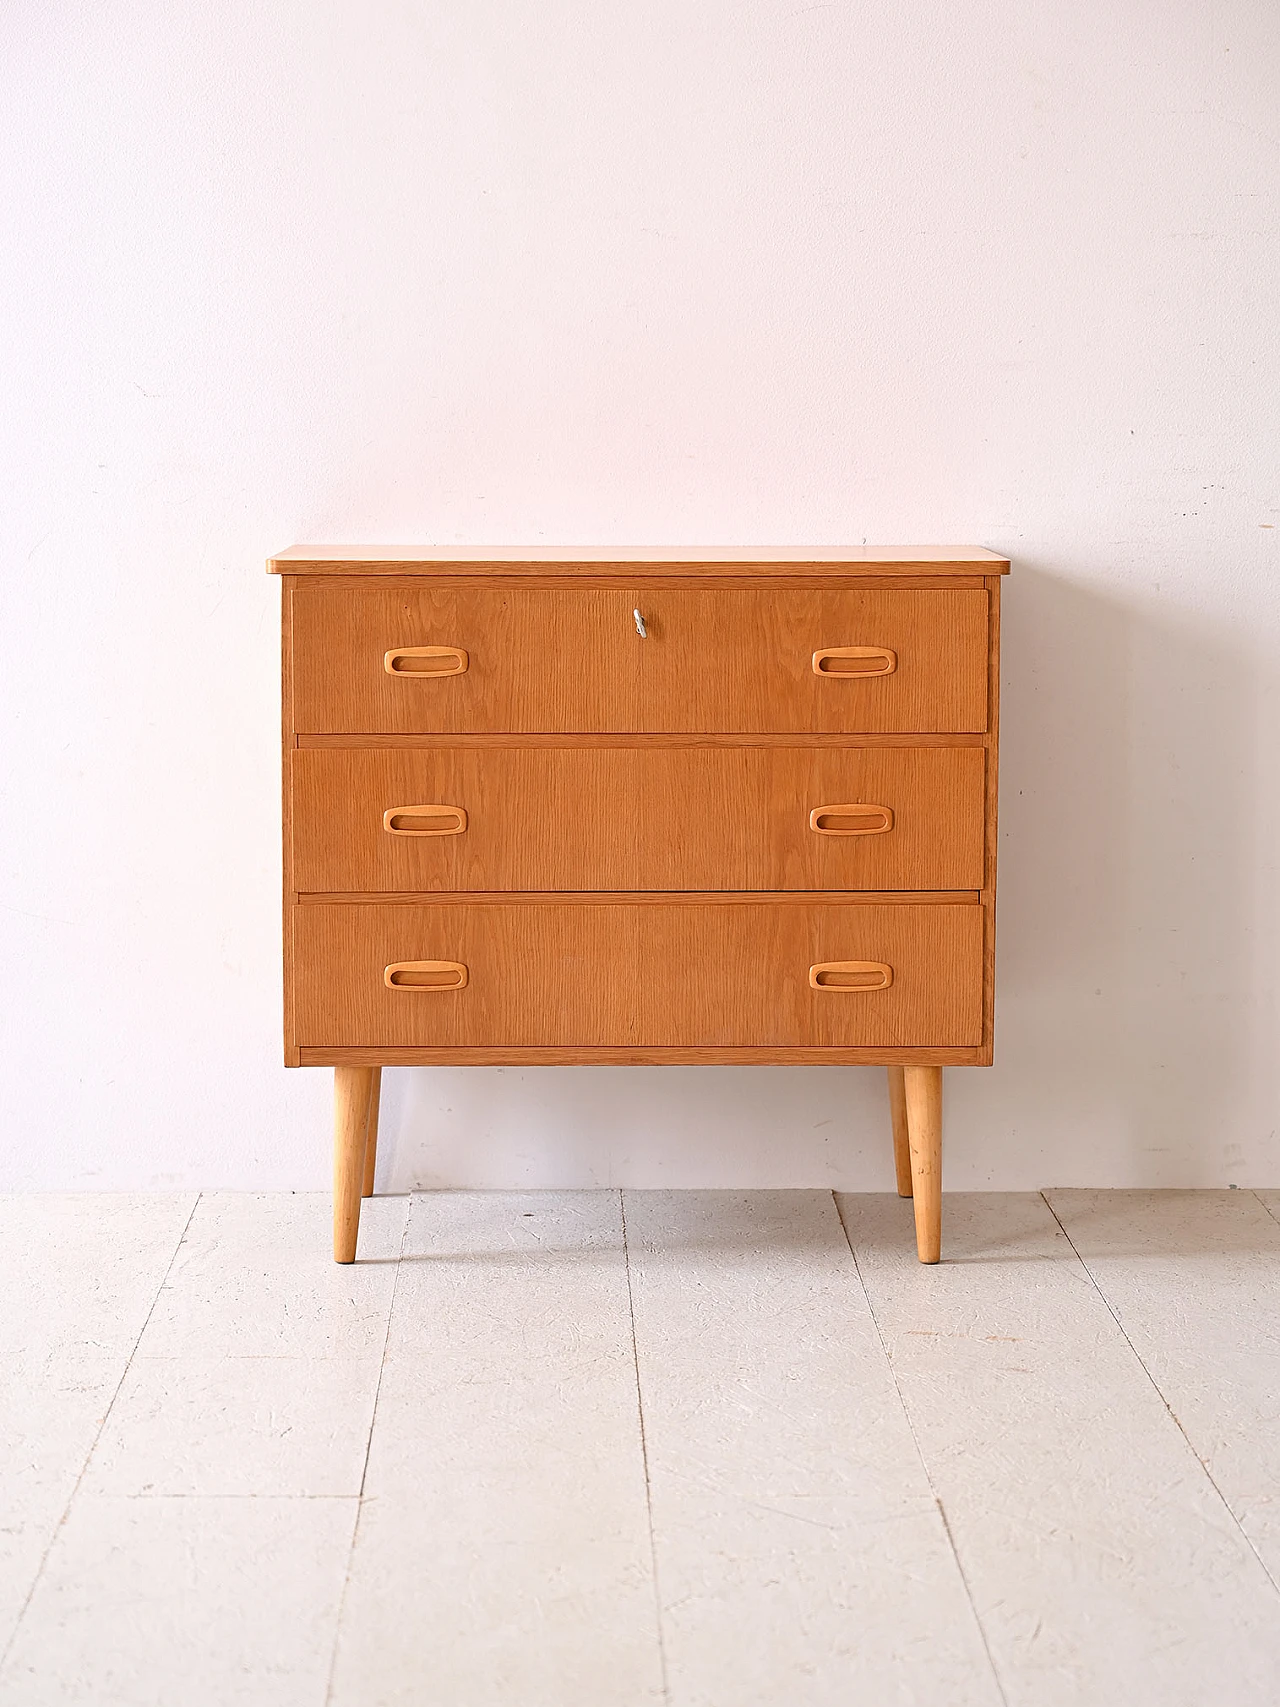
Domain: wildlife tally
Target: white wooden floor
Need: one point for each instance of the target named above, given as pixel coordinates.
(714, 1449)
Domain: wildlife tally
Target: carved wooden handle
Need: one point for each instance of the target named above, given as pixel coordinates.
(425, 661)
(851, 975)
(424, 820)
(425, 975)
(855, 661)
(855, 820)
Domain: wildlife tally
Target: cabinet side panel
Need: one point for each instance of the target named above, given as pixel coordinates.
(993, 824)
(288, 740)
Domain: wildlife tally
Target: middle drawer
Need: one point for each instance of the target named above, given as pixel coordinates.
(542, 818)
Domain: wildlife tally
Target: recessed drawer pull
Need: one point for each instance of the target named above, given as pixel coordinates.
(424, 820)
(853, 820)
(855, 661)
(425, 975)
(850, 975)
(425, 661)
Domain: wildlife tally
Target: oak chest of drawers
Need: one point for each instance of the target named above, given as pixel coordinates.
(590, 808)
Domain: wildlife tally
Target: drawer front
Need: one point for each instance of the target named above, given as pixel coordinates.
(410, 660)
(725, 974)
(637, 818)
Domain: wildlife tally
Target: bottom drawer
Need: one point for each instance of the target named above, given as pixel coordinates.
(720, 973)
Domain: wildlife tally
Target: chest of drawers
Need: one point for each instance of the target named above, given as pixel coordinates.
(548, 808)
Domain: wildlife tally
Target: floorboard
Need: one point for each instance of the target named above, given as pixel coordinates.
(801, 1557)
(1194, 1280)
(712, 1449)
(257, 1371)
(1103, 1564)
(503, 1552)
(198, 1602)
(79, 1274)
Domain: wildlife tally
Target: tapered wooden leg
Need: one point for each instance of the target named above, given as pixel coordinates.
(898, 1115)
(371, 1133)
(924, 1134)
(351, 1088)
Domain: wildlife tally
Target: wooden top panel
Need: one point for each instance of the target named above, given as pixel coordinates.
(701, 560)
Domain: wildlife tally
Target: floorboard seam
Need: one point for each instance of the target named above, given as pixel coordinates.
(644, 1450)
(97, 1435)
(368, 1445)
(1173, 1415)
(924, 1465)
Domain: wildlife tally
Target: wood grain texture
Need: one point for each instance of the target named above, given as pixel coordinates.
(992, 819)
(765, 1055)
(351, 1091)
(572, 661)
(649, 898)
(613, 975)
(659, 771)
(490, 559)
(584, 578)
(923, 1091)
(639, 738)
(287, 743)
(598, 818)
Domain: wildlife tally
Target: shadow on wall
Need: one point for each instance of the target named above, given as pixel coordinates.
(1127, 940)
(1131, 946)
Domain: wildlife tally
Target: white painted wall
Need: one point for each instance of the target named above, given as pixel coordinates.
(497, 270)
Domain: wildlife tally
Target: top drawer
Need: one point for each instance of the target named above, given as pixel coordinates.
(528, 660)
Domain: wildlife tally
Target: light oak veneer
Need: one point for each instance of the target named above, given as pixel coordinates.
(585, 818)
(583, 806)
(704, 561)
(571, 660)
(602, 973)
